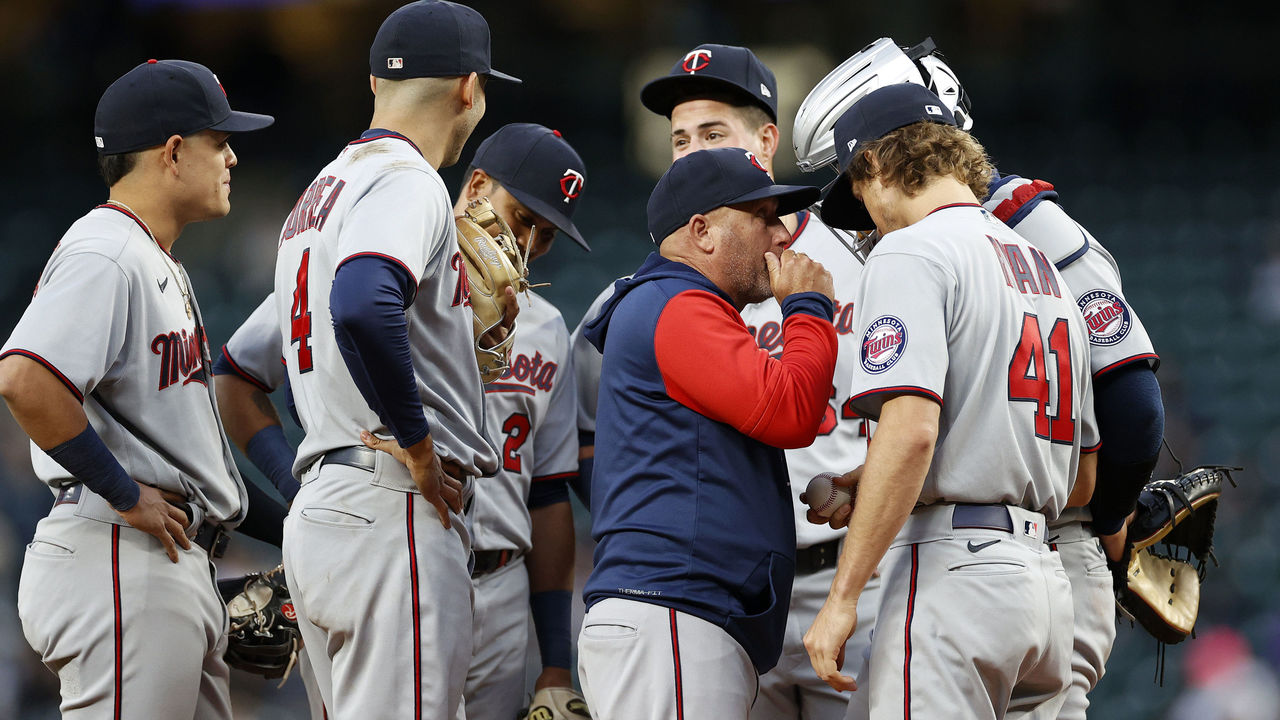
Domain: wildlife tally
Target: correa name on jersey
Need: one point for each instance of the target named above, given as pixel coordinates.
(180, 357)
(1106, 316)
(305, 215)
(769, 335)
(534, 372)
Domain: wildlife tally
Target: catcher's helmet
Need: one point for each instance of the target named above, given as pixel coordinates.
(879, 64)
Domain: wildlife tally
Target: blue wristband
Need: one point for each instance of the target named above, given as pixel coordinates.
(271, 453)
(89, 461)
(551, 613)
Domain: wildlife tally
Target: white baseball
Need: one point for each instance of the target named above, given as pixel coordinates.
(824, 496)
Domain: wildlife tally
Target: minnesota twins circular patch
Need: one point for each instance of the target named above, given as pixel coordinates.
(883, 343)
(1106, 315)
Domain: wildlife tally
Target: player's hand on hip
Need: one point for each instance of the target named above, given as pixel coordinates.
(825, 642)
(437, 487)
(794, 272)
(155, 516)
(840, 517)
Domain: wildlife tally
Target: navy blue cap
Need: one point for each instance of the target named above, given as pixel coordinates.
(708, 179)
(877, 114)
(714, 69)
(539, 169)
(432, 38)
(162, 98)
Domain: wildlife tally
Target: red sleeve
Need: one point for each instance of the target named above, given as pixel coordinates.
(711, 364)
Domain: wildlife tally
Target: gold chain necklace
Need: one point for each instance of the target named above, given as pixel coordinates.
(168, 261)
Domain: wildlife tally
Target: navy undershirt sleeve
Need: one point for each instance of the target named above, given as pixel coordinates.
(1131, 424)
(367, 302)
(265, 519)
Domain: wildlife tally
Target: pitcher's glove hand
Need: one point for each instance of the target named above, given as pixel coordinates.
(494, 263)
(264, 637)
(556, 703)
(1155, 582)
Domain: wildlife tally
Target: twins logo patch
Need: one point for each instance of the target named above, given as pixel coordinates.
(883, 343)
(696, 60)
(290, 614)
(1106, 315)
(571, 184)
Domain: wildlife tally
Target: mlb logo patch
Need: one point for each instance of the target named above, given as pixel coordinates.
(395, 63)
(1030, 528)
(883, 344)
(933, 110)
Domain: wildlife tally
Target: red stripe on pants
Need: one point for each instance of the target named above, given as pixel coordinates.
(911, 609)
(115, 593)
(675, 653)
(417, 621)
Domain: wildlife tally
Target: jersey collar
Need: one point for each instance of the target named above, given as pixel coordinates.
(139, 223)
(380, 133)
(952, 205)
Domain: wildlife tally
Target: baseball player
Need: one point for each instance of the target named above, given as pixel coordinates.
(690, 505)
(983, 427)
(723, 96)
(371, 299)
(522, 169)
(1126, 395)
(106, 372)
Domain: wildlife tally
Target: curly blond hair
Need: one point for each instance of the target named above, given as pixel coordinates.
(911, 156)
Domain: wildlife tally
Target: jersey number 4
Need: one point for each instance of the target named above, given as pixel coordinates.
(1030, 381)
(300, 316)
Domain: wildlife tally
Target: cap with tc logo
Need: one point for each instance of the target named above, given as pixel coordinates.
(877, 114)
(539, 169)
(708, 179)
(161, 98)
(714, 69)
(432, 38)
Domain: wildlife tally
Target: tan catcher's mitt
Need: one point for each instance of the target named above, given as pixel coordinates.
(494, 263)
(556, 703)
(1156, 583)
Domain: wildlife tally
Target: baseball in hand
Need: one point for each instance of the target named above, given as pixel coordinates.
(824, 496)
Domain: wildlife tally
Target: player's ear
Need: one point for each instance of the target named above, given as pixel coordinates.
(470, 86)
(769, 136)
(700, 233)
(373, 84)
(169, 157)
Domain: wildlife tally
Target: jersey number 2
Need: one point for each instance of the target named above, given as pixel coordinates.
(1029, 380)
(517, 429)
(300, 316)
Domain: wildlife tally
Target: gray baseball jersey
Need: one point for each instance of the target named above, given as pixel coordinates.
(531, 410)
(254, 348)
(961, 309)
(141, 367)
(841, 444)
(379, 197)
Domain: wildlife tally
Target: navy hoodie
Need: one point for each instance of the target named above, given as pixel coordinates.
(690, 502)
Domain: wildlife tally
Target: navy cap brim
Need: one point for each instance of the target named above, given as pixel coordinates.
(496, 75)
(553, 214)
(662, 95)
(791, 198)
(243, 122)
(840, 209)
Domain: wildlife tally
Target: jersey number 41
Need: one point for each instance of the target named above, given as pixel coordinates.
(1031, 381)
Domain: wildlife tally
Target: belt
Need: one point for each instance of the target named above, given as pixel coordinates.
(985, 517)
(210, 536)
(817, 557)
(487, 561)
(364, 458)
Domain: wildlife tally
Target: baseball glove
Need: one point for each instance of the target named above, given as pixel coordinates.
(494, 263)
(556, 703)
(1156, 583)
(264, 637)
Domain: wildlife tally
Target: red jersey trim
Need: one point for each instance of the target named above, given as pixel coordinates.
(136, 219)
(1154, 358)
(383, 256)
(242, 373)
(954, 205)
(497, 387)
(562, 477)
(48, 366)
(901, 389)
(384, 136)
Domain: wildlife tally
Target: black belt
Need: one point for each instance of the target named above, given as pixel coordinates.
(488, 561)
(356, 457)
(211, 536)
(983, 517)
(817, 557)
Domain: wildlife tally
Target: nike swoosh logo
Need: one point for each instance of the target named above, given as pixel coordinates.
(163, 284)
(975, 547)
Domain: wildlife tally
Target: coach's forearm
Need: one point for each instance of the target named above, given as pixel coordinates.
(897, 460)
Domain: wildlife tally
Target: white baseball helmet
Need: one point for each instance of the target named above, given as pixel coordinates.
(881, 63)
